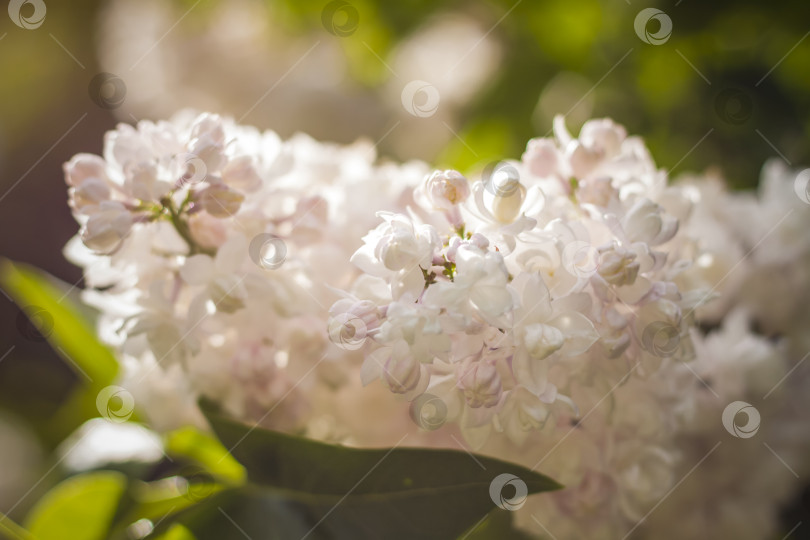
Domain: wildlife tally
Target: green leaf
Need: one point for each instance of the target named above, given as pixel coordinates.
(61, 322)
(328, 491)
(79, 508)
(177, 532)
(65, 329)
(205, 450)
(157, 500)
(255, 512)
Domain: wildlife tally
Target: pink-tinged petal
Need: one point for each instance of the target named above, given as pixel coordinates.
(231, 254)
(198, 270)
(84, 166)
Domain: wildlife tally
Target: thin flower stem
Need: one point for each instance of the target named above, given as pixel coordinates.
(182, 228)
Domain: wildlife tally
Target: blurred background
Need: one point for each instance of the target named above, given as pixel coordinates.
(721, 86)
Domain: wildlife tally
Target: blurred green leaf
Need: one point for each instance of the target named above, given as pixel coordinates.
(566, 29)
(303, 487)
(211, 470)
(69, 334)
(80, 508)
(262, 513)
(207, 451)
(155, 501)
(59, 320)
(177, 532)
(477, 145)
(250, 511)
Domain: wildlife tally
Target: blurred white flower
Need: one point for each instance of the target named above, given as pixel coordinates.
(99, 443)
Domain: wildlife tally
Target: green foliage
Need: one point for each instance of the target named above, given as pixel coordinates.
(654, 90)
(80, 508)
(68, 332)
(176, 532)
(206, 451)
(302, 488)
(62, 322)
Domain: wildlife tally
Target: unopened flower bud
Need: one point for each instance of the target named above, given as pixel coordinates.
(206, 230)
(504, 197)
(107, 227)
(446, 189)
(618, 265)
(368, 312)
(401, 374)
(85, 197)
(219, 200)
(480, 383)
(82, 167)
(541, 157)
(478, 240)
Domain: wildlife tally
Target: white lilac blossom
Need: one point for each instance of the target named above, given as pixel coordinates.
(531, 299)
(565, 293)
(573, 311)
(212, 250)
(721, 483)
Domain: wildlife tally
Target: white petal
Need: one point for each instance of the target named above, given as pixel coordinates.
(372, 365)
(197, 270)
(579, 332)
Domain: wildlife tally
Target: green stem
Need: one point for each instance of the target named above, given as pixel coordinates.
(182, 228)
